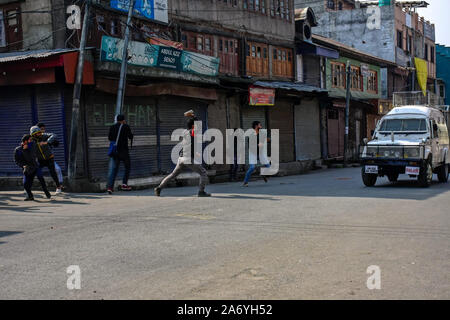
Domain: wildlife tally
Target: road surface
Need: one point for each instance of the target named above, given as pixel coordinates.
(311, 236)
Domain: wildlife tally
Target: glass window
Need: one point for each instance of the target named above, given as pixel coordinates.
(12, 17)
(403, 125)
(330, 4)
(199, 43)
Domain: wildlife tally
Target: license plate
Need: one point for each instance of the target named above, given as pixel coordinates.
(412, 170)
(371, 169)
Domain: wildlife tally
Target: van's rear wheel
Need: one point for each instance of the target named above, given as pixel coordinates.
(426, 175)
(443, 173)
(369, 179)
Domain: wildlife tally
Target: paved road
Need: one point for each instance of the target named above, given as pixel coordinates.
(311, 236)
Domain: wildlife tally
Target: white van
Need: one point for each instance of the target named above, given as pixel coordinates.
(410, 140)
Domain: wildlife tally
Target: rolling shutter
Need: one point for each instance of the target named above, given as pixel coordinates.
(15, 121)
(50, 107)
(171, 116)
(250, 114)
(307, 130)
(281, 118)
(140, 114)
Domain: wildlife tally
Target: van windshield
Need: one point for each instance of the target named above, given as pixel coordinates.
(403, 125)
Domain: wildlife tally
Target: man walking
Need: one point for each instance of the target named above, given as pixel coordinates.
(119, 133)
(186, 160)
(26, 158)
(54, 144)
(44, 153)
(253, 158)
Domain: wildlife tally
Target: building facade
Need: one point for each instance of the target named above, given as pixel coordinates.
(206, 55)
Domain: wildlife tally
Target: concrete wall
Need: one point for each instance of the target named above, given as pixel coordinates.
(215, 12)
(350, 27)
(37, 27)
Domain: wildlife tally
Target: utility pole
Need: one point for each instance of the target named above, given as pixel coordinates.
(124, 65)
(347, 112)
(77, 96)
(413, 61)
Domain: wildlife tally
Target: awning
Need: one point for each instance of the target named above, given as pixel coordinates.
(35, 54)
(308, 48)
(38, 66)
(289, 86)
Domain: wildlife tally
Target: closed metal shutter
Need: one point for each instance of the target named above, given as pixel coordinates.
(140, 114)
(282, 117)
(50, 107)
(250, 114)
(336, 132)
(307, 130)
(15, 121)
(171, 116)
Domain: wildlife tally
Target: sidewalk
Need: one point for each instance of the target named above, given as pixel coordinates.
(184, 179)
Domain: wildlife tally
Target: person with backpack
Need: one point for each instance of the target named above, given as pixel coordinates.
(26, 158)
(54, 144)
(46, 158)
(119, 134)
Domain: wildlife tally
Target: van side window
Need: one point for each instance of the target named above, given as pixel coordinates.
(435, 129)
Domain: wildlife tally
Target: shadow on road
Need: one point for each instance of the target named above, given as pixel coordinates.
(7, 234)
(328, 183)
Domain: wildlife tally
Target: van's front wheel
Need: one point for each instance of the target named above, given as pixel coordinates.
(369, 179)
(426, 175)
(443, 173)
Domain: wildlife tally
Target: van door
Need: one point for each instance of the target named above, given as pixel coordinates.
(435, 149)
(443, 142)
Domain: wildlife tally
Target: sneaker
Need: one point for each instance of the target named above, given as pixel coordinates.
(48, 195)
(110, 191)
(157, 191)
(245, 184)
(204, 194)
(29, 199)
(265, 179)
(125, 187)
(58, 191)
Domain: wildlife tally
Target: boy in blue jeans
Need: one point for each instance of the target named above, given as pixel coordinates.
(255, 158)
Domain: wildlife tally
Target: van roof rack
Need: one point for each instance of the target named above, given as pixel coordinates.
(416, 98)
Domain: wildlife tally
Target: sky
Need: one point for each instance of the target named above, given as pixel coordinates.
(438, 12)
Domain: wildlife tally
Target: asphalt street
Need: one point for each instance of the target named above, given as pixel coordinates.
(310, 236)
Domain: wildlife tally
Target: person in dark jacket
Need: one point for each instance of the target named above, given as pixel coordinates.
(53, 144)
(122, 129)
(26, 158)
(43, 142)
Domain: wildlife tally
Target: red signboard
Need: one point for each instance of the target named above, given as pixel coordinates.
(167, 43)
(261, 96)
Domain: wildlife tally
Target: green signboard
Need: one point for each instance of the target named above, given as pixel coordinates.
(150, 55)
(384, 3)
